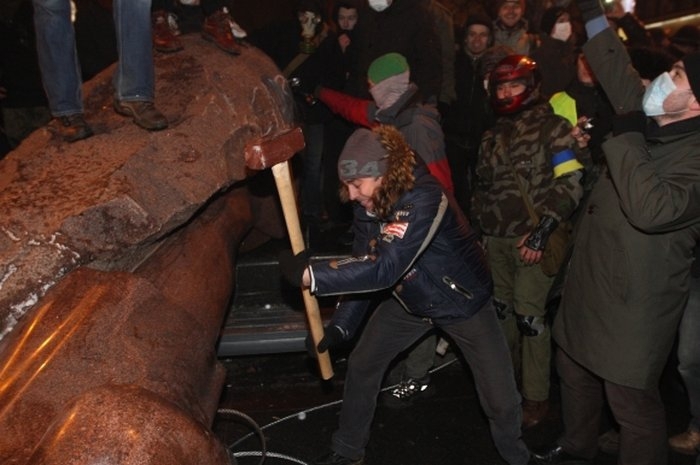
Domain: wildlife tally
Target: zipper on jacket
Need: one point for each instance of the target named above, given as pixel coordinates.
(456, 287)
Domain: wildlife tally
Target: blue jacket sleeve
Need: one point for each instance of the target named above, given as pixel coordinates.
(349, 314)
(390, 255)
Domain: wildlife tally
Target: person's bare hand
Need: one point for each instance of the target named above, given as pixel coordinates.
(3, 93)
(582, 137)
(527, 255)
(343, 41)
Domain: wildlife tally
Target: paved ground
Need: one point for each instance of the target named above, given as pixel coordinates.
(444, 426)
(298, 413)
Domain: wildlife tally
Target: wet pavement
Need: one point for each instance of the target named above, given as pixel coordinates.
(297, 413)
(283, 399)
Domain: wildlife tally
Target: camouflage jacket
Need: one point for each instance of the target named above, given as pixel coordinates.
(546, 164)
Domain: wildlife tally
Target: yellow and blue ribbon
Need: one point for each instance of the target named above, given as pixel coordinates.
(565, 162)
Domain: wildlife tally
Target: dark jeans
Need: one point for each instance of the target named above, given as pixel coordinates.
(639, 412)
(420, 359)
(389, 331)
(58, 58)
(689, 352)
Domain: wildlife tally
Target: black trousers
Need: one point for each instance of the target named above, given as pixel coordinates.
(480, 339)
(639, 412)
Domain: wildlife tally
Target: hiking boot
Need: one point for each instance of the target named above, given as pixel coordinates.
(165, 32)
(219, 28)
(534, 412)
(685, 443)
(72, 127)
(144, 114)
(334, 459)
(410, 387)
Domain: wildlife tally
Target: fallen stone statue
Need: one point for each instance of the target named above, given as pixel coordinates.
(117, 261)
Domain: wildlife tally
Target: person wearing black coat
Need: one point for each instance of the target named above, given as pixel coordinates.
(470, 115)
(405, 27)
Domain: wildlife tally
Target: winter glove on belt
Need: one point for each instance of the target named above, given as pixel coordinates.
(590, 9)
(537, 239)
(293, 266)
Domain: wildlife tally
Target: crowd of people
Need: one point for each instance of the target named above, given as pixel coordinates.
(557, 139)
(528, 192)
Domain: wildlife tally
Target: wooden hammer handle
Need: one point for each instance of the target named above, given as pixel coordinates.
(283, 180)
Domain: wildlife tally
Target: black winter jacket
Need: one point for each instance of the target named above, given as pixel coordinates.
(426, 254)
(406, 27)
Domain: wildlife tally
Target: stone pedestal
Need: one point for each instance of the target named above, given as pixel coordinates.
(117, 261)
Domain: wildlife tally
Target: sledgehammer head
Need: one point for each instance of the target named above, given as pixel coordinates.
(266, 152)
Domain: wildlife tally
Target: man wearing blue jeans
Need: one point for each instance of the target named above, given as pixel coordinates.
(60, 69)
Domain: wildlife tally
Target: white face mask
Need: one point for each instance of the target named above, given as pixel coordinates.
(379, 5)
(562, 31)
(656, 93)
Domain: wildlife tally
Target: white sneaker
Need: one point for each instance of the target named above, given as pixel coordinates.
(410, 387)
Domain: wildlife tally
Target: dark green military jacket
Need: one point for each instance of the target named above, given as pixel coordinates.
(629, 275)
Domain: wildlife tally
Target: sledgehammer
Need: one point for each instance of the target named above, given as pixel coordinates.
(274, 153)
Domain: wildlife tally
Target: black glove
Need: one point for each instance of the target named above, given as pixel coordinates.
(590, 9)
(332, 337)
(293, 266)
(634, 121)
(538, 237)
